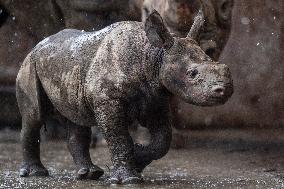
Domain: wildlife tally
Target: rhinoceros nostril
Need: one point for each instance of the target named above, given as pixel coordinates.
(219, 90)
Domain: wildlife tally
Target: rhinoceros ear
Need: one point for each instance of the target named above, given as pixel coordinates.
(156, 31)
(197, 25)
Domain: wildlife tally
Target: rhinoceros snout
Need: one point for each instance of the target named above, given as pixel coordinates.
(219, 91)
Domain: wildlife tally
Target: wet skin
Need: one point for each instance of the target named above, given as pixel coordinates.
(109, 79)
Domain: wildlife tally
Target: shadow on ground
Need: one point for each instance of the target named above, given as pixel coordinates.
(212, 159)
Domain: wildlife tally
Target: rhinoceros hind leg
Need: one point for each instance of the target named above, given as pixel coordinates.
(30, 134)
(29, 97)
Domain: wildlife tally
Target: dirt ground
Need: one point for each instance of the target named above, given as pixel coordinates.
(212, 159)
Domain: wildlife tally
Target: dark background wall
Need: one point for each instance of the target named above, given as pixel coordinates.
(254, 54)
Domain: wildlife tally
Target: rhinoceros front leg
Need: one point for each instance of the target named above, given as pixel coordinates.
(79, 139)
(113, 123)
(161, 136)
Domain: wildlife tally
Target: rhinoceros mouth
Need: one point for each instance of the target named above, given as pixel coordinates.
(218, 99)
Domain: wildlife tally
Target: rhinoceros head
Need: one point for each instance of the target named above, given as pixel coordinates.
(186, 71)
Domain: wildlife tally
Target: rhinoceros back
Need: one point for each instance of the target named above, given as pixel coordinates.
(62, 62)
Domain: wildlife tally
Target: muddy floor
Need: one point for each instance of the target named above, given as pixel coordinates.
(212, 159)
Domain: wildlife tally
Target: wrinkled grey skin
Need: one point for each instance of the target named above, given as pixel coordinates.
(109, 79)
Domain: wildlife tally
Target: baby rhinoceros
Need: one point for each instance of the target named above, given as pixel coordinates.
(110, 78)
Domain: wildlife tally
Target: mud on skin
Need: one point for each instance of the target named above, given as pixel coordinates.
(108, 79)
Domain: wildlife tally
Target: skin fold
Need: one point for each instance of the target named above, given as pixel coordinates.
(109, 79)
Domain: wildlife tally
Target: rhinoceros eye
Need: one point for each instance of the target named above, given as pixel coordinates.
(192, 73)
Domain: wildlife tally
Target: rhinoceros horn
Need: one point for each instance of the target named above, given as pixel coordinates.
(197, 25)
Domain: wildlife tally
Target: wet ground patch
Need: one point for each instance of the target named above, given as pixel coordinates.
(209, 161)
